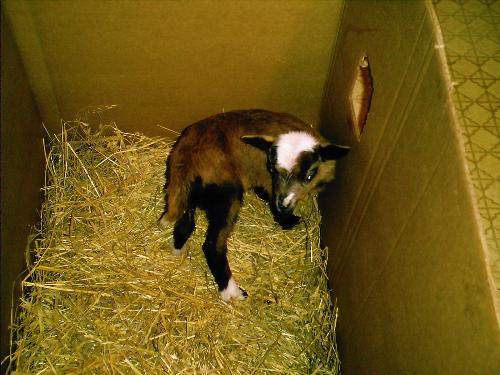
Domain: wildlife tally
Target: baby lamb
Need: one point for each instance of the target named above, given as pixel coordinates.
(216, 160)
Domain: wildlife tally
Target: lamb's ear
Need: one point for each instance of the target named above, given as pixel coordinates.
(333, 152)
(262, 142)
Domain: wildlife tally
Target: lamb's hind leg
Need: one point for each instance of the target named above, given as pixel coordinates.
(222, 205)
(179, 210)
(183, 228)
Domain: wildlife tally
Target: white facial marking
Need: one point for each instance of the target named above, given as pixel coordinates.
(232, 291)
(288, 199)
(290, 145)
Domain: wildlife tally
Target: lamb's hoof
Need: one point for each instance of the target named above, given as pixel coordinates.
(289, 221)
(163, 223)
(176, 252)
(233, 292)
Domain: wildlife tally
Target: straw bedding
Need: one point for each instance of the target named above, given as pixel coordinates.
(104, 295)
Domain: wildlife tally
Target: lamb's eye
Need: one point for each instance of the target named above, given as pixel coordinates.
(311, 175)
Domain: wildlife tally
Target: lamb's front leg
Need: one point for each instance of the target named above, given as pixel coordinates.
(222, 211)
(219, 266)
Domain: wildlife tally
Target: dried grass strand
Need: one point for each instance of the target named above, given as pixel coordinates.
(103, 293)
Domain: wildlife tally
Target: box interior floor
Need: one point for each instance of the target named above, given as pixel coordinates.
(104, 293)
(412, 219)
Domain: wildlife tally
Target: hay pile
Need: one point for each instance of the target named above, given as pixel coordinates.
(104, 295)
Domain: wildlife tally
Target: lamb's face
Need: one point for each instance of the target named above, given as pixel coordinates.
(298, 167)
(298, 164)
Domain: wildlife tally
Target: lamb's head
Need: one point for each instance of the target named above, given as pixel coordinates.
(299, 164)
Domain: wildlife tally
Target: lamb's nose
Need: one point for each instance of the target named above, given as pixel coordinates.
(283, 206)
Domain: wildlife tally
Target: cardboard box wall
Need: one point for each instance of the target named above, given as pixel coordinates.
(407, 261)
(163, 63)
(22, 170)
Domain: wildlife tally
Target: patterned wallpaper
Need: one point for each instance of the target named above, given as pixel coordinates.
(471, 32)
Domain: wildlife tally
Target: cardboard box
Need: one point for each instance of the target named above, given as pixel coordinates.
(22, 170)
(408, 255)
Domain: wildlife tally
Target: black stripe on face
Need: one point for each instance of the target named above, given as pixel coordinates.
(272, 159)
(307, 165)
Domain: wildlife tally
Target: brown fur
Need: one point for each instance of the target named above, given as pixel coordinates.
(216, 160)
(212, 150)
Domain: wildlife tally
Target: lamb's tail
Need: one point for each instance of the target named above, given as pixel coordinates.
(177, 193)
(177, 190)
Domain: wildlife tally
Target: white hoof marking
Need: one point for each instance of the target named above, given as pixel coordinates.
(232, 291)
(175, 251)
(164, 223)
